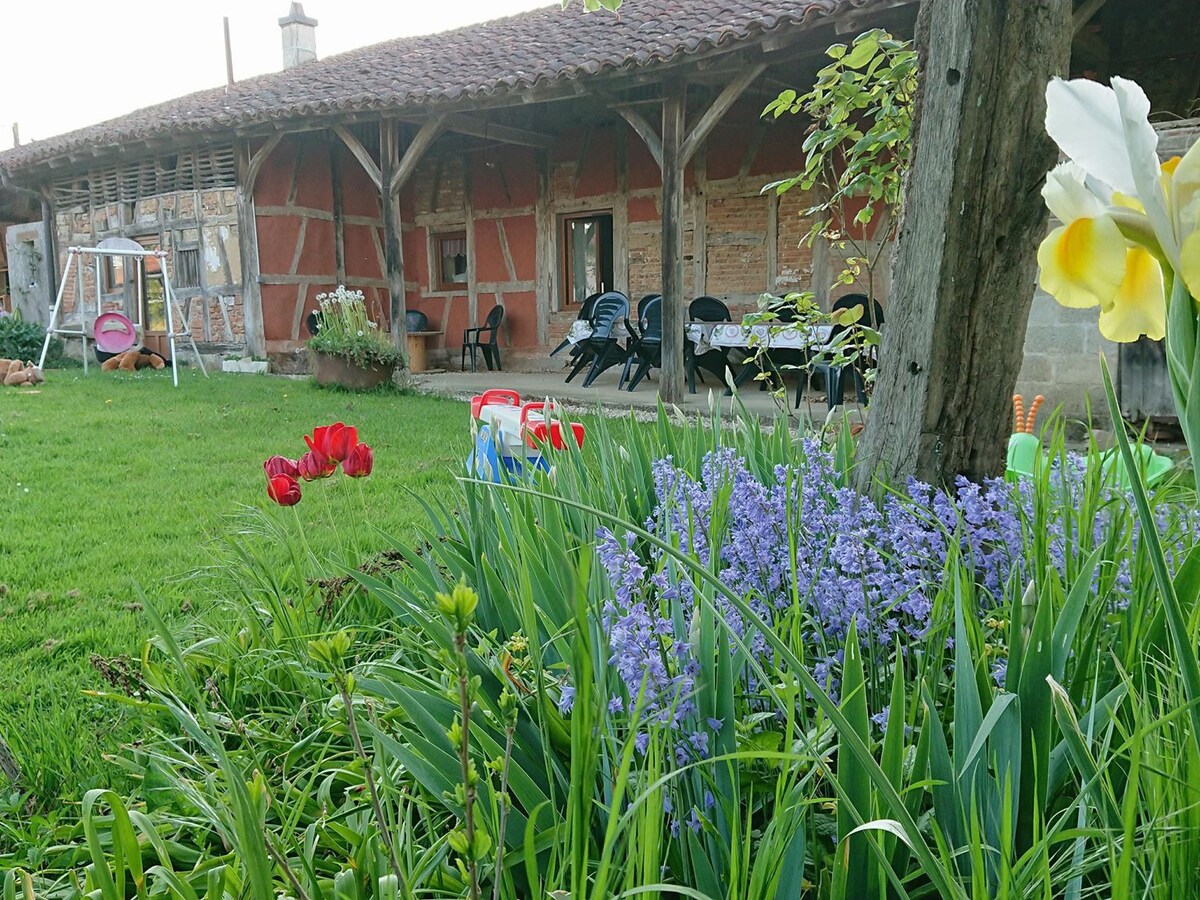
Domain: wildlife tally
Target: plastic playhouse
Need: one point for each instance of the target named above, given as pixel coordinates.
(1025, 452)
(510, 436)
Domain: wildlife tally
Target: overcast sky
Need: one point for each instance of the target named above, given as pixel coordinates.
(65, 64)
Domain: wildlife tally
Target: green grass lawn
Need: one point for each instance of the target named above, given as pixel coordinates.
(113, 481)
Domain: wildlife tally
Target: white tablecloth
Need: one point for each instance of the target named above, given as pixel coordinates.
(709, 335)
(581, 330)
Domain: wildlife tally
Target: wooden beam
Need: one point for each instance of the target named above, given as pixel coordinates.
(545, 253)
(49, 244)
(492, 131)
(408, 163)
(339, 213)
(716, 111)
(1084, 14)
(670, 385)
(393, 249)
(354, 145)
(255, 164)
(252, 316)
(644, 130)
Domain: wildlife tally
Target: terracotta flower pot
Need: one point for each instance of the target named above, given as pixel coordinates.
(340, 371)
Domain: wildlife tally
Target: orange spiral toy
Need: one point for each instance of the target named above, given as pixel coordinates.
(1025, 426)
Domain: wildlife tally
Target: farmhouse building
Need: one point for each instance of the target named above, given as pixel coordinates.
(527, 162)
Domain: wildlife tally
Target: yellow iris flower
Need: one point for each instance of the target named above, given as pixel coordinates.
(1129, 223)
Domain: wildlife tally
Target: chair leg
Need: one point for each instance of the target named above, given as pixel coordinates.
(860, 387)
(642, 369)
(597, 367)
(833, 386)
(602, 362)
(496, 352)
(487, 356)
(625, 372)
(462, 363)
(582, 360)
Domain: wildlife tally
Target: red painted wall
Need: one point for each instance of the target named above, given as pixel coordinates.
(296, 237)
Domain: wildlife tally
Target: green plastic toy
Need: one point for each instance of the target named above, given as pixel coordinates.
(1025, 453)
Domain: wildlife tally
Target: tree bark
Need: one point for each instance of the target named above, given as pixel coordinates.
(966, 266)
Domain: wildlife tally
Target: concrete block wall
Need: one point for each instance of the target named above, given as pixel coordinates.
(1062, 359)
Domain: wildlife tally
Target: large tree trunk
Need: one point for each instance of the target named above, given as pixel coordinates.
(973, 218)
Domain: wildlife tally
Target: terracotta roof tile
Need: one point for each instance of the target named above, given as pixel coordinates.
(505, 55)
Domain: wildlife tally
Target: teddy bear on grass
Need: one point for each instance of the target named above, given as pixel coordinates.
(132, 359)
(15, 373)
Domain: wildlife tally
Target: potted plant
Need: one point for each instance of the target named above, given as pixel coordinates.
(348, 348)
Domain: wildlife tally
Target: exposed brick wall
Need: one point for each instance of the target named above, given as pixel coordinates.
(202, 220)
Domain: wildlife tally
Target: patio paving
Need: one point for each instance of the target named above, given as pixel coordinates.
(603, 392)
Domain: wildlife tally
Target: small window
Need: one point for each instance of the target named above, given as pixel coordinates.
(187, 268)
(450, 260)
(114, 274)
(587, 252)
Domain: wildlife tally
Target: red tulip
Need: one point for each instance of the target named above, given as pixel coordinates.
(283, 489)
(281, 465)
(316, 440)
(359, 461)
(333, 441)
(314, 465)
(340, 440)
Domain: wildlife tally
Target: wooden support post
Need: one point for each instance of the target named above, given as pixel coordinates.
(545, 253)
(670, 386)
(49, 246)
(394, 171)
(252, 316)
(672, 151)
(393, 250)
(339, 212)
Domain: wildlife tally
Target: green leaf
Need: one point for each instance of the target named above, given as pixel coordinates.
(853, 870)
(865, 48)
(1185, 648)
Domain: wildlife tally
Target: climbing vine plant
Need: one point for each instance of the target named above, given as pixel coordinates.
(857, 149)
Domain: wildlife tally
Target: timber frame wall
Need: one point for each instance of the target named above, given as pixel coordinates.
(320, 223)
(179, 202)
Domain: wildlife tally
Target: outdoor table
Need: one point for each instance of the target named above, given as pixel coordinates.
(706, 336)
(732, 335)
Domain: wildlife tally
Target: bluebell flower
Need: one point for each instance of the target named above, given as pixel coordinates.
(566, 700)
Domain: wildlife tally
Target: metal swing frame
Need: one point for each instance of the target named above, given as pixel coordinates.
(77, 258)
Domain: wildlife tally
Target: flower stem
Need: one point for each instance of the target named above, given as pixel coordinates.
(464, 758)
(384, 829)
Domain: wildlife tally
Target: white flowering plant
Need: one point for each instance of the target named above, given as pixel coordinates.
(344, 329)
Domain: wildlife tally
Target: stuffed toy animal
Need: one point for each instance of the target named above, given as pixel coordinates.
(15, 373)
(132, 359)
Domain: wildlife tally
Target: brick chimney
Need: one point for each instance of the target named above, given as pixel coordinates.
(299, 37)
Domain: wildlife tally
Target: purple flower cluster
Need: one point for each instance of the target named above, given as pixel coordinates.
(804, 549)
(801, 541)
(655, 664)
